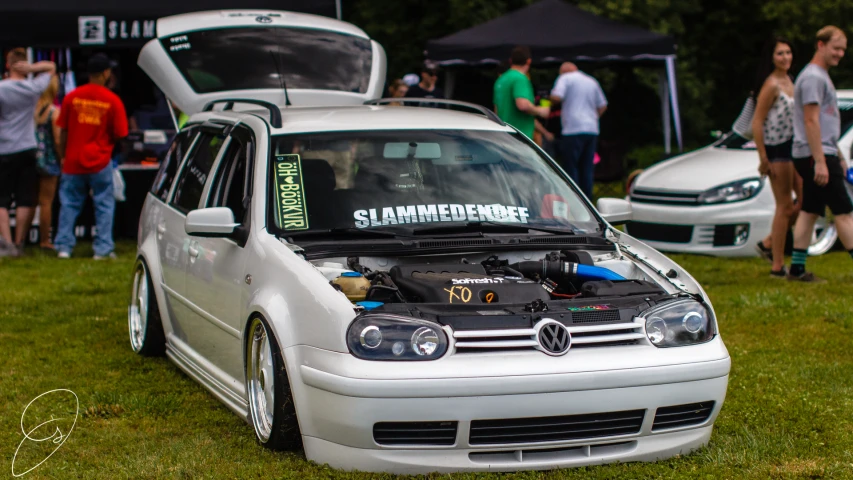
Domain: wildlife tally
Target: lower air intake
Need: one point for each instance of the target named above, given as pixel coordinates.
(415, 433)
(552, 429)
(682, 415)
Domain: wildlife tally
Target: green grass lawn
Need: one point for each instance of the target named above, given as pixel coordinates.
(63, 325)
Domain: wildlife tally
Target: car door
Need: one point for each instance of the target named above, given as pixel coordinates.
(216, 275)
(172, 262)
(278, 57)
(189, 187)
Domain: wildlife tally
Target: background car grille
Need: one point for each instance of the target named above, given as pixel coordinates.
(682, 415)
(660, 232)
(415, 433)
(550, 429)
(664, 198)
(608, 334)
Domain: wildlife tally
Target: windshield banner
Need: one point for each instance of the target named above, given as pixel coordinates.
(397, 215)
(290, 193)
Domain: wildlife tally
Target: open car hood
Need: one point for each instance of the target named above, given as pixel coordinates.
(206, 56)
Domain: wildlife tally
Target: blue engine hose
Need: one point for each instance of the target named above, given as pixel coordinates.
(589, 272)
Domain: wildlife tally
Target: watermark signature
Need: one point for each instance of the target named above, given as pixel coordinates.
(52, 426)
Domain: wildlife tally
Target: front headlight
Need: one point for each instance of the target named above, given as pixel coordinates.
(678, 323)
(387, 337)
(732, 192)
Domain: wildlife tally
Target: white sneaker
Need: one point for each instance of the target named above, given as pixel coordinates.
(112, 255)
(63, 255)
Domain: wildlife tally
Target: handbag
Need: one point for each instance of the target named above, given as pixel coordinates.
(118, 185)
(743, 123)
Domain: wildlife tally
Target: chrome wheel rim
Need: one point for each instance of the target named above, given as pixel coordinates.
(137, 312)
(261, 387)
(823, 238)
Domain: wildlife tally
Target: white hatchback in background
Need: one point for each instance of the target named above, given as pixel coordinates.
(409, 289)
(712, 201)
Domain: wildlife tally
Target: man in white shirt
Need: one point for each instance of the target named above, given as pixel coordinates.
(583, 103)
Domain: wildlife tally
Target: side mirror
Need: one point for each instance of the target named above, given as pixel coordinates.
(213, 222)
(615, 210)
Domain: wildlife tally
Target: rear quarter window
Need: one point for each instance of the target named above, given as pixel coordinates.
(170, 163)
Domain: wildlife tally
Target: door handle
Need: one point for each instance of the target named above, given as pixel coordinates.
(193, 251)
(161, 229)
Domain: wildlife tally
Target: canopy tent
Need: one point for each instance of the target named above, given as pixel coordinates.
(556, 32)
(112, 23)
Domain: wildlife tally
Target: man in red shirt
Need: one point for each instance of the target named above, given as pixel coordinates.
(92, 120)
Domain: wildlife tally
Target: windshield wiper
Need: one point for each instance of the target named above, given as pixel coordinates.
(491, 226)
(353, 231)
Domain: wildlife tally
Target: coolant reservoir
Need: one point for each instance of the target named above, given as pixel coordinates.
(354, 285)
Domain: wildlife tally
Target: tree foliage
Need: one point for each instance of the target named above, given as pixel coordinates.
(718, 46)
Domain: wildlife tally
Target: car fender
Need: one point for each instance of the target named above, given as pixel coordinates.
(147, 251)
(296, 299)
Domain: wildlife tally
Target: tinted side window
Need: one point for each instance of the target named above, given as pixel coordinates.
(228, 188)
(169, 165)
(194, 175)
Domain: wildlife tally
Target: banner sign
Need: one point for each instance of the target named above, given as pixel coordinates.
(100, 30)
(290, 193)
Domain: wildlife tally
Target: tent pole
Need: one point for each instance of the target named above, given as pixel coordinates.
(338, 8)
(663, 90)
(673, 94)
(449, 83)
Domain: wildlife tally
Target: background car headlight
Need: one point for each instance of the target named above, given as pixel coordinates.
(386, 337)
(678, 323)
(732, 192)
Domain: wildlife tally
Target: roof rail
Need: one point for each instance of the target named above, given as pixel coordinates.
(275, 112)
(439, 101)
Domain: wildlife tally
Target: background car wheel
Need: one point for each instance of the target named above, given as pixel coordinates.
(271, 407)
(143, 315)
(824, 237)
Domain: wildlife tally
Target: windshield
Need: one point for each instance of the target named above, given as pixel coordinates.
(733, 141)
(257, 57)
(377, 180)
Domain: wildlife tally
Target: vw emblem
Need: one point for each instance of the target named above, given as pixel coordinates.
(553, 338)
(263, 19)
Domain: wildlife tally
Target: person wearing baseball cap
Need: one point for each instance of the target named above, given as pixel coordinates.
(426, 88)
(92, 120)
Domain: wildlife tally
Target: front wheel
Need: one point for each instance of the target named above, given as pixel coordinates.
(143, 315)
(824, 237)
(271, 407)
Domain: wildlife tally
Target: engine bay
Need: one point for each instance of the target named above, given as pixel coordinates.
(524, 285)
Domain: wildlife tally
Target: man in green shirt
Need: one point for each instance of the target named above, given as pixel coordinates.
(513, 96)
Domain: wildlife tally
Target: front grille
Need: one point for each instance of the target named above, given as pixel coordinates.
(682, 415)
(470, 341)
(553, 429)
(596, 316)
(660, 232)
(415, 433)
(664, 198)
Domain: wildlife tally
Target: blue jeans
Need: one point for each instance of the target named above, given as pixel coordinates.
(73, 190)
(577, 153)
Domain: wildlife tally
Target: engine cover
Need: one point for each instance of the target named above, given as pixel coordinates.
(463, 284)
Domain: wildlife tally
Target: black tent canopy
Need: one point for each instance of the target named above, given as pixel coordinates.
(65, 23)
(556, 32)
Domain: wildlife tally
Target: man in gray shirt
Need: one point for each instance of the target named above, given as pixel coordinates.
(18, 174)
(817, 126)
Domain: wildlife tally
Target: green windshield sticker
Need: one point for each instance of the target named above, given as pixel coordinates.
(290, 193)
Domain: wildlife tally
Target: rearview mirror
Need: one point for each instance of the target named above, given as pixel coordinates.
(210, 222)
(615, 210)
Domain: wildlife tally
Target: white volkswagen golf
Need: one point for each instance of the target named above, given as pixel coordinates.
(397, 288)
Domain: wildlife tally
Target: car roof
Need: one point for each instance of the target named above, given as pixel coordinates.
(369, 117)
(846, 94)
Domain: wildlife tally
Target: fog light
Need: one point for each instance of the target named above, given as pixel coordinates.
(425, 341)
(371, 337)
(693, 322)
(741, 233)
(656, 330)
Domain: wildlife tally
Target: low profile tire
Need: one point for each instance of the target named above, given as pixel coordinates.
(143, 315)
(824, 238)
(271, 407)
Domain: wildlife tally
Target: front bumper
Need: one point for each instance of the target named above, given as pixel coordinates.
(337, 414)
(754, 212)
